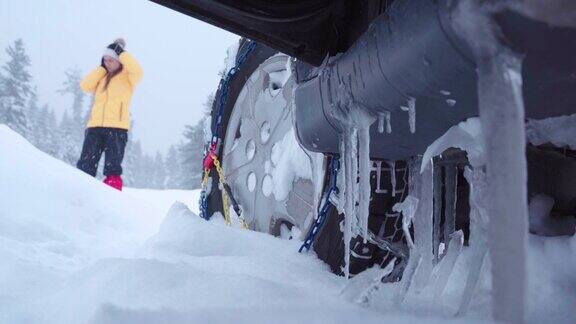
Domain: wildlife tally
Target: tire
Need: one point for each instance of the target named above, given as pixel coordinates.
(258, 72)
(258, 55)
(329, 245)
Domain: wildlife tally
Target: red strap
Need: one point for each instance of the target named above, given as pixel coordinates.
(209, 160)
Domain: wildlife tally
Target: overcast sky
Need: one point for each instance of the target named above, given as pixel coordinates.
(181, 56)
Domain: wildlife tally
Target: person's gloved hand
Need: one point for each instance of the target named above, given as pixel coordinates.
(118, 46)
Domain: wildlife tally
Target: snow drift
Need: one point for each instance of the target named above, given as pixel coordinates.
(54, 220)
(73, 250)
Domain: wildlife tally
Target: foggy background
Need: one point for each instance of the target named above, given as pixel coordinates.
(181, 56)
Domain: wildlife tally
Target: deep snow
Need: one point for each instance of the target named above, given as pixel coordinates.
(72, 250)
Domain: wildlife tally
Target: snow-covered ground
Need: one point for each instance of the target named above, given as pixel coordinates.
(73, 250)
(163, 199)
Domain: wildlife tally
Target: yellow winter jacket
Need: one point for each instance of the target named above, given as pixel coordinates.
(112, 106)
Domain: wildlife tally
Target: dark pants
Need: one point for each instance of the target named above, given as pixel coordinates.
(111, 141)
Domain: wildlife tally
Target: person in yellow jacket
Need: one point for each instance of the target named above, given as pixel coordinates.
(113, 84)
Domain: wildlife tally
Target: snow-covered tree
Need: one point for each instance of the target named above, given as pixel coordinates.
(69, 146)
(191, 156)
(15, 89)
(159, 172)
(172, 165)
(33, 116)
(147, 172)
(71, 86)
(46, 127)
(133, 166)
(71, 128)
(191, 151)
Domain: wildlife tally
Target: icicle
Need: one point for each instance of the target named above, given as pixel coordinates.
(408, 209)
(317, 161)
(407, 277)
(412, 114)
(349, 153)
(446, 265)
(392, 165)
(437, 212)
(364, 169)
(355, 124)
(423, 229)
(478, 233)
(451, 186)
(501, 107)
(355, 150)
(379, 178)
(353, 176)
(384, 117)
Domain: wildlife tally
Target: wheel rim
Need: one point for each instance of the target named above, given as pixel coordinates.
(260, 119)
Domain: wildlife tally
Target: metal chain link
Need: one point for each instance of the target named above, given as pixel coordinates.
(211, 154)
(227, 196)
(203, 194)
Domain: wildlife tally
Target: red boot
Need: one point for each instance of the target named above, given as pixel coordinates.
(114, 181)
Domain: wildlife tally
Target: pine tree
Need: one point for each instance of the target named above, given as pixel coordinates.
(51, 134)
(133, 172)
(172, 164)
(69, 148)
(71, 85)
(72, 127)
(159, 172)
(128, 170)
(45, 128)
(33, 113)
(191, 155)
(15, 89)
(147, 172)
(191, 151)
